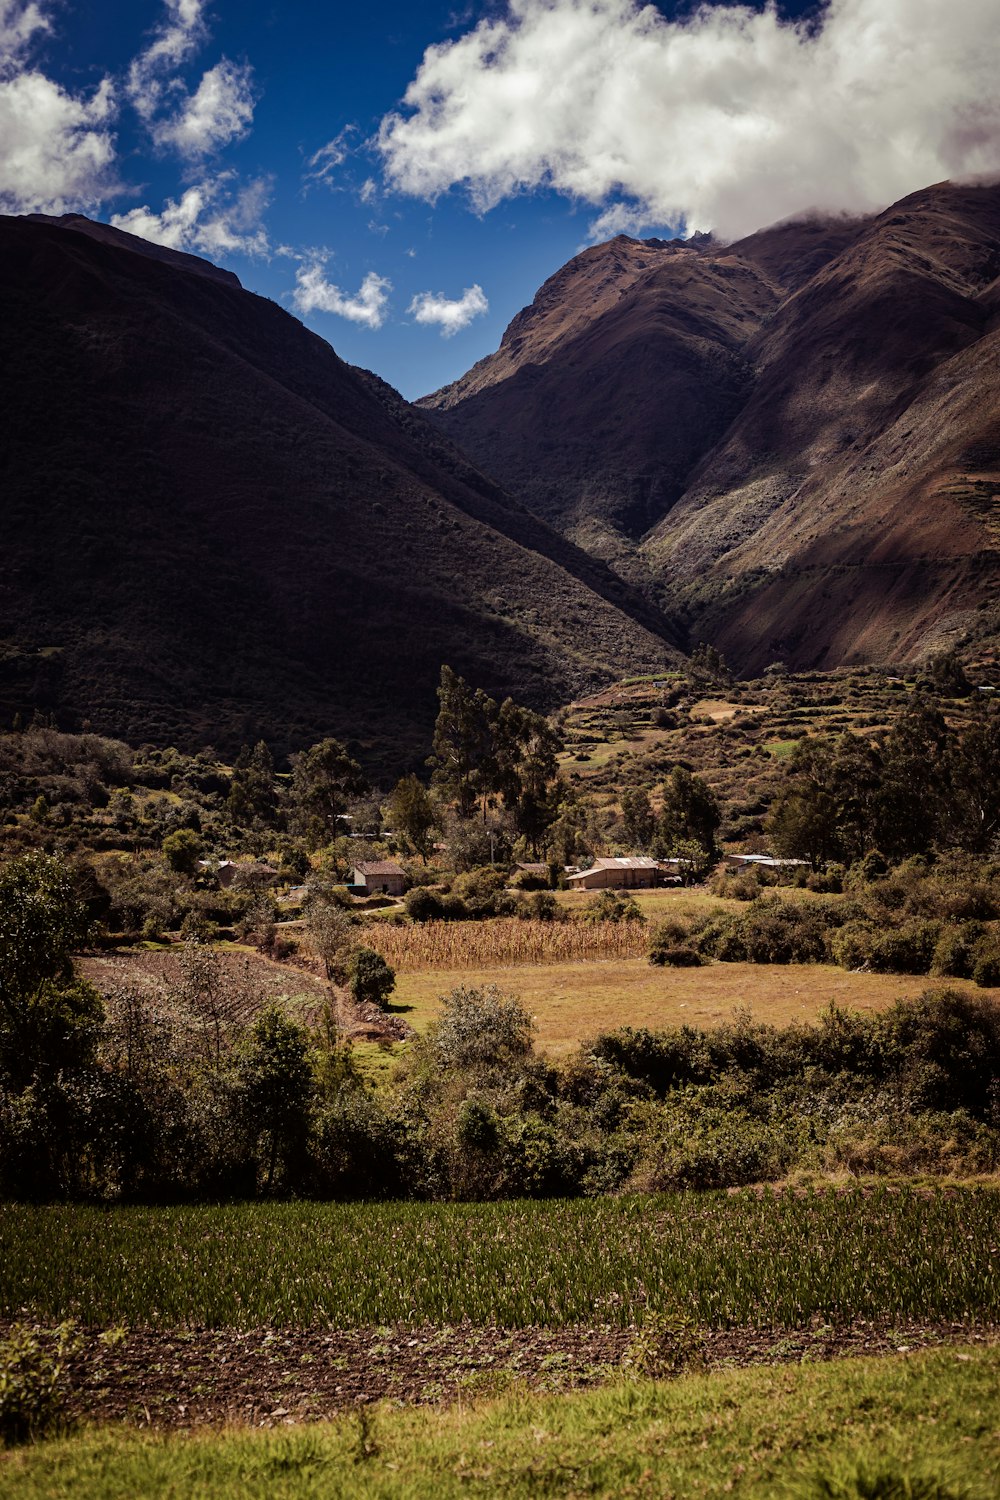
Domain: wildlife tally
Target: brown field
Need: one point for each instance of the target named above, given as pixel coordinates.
(504, 940)
(572, 1002)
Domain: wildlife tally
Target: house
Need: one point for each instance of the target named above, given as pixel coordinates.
(763, 862)
(632, 872)
(381, 877)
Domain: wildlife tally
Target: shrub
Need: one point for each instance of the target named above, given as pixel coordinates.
(954, 955)
(908, 949)
(717, 1149)
(422, 904)
(34, 1381)
(611, 906)
(663, 1060)
(370, 977)
(361, 1150)
(683, 956)
(986, 968)
(770, 931)
(480, 1028)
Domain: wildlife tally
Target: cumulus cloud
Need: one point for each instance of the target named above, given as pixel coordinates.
(451, 314)
(313, 293)
(221, 108)
(213, 218)
(177, 39)
(219, 111)
(18, 24)
(727, 119)
(56, 147)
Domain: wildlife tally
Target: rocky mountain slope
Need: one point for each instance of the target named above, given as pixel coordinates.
(214, 529)
(795, 438)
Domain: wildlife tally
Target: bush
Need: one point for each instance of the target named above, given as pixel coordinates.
(371, 979)
(361, 1150)
(717, 1149)
(954, 955)
(986, 968)
(682, 956)
(908, 949)
(423, 905)
(663, 1060)
(770, 931)
(611, 906)
(33, 1381)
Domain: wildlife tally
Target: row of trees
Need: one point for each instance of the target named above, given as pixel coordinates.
(924, 785)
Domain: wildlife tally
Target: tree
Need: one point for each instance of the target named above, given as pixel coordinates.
(802, 823)
(913, 783)
(41, 923)
(480, 1029)
(324, 777)
(637, 817)
(47, 1020)
(252, 798)
(182, 850)
(525, 768)
(708, 664)
(411, 813)
(690, 813)
(333, 934)
(464, 747)
(370, 977)
(277, 1087)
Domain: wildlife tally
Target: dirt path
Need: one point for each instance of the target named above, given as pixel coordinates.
(268, 1377)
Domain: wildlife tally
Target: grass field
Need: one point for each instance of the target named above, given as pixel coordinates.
(925, 1427)
(574, 1002)
(720, 1260)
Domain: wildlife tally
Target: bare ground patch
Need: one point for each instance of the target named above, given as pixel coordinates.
(267, 1377)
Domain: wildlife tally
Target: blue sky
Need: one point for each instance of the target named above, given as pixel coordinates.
(273, 138)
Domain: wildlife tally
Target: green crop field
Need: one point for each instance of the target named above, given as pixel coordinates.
(926, 1427)
(768, 1260)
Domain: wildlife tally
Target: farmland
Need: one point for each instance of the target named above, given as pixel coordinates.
(770, 1260)
(573, 1002)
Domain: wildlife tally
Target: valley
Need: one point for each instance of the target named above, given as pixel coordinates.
(500, 897)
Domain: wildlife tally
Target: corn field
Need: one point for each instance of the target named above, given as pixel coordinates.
(720, 1260)
(504, 941)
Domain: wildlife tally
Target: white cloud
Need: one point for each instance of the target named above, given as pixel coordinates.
(56, 148)
(313, 293)
(56, 151)
(175, 41)
(452, 314)
(212, 218)
(727, 119)
(219, 111)
(18, 23)
(322, 165)
(221, 108)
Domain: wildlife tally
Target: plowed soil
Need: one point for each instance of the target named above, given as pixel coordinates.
(270, 1377)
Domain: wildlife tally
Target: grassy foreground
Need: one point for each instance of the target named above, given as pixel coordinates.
(929, 1422)
(771, 1260)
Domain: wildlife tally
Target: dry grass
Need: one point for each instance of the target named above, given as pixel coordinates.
(671, 901)
(572, 1002)
(504, 941)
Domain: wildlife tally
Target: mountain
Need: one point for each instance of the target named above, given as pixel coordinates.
(215, 529)
(795, 438)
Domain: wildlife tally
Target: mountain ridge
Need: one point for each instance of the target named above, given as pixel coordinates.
(726, 424)
(216, 530)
